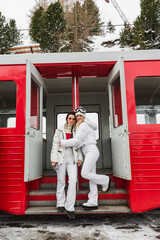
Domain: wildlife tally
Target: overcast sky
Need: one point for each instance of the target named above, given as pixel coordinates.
(19, 9)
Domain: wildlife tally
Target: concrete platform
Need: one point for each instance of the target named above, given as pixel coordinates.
(78, 210)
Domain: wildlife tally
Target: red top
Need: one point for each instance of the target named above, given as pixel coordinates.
(68, 135)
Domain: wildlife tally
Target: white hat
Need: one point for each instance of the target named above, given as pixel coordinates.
(80, 111)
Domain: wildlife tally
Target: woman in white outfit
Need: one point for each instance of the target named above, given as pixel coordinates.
(85, 138)
(66, 159)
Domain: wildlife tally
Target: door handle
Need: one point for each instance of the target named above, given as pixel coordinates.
(32, 135)
(124, 133)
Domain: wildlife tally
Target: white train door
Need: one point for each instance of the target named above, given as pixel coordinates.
(119, 122)
(33, 132)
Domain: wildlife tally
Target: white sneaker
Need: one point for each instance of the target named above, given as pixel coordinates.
(89, 206)
(106, 187)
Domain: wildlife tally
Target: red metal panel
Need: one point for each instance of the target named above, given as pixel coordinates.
(35, 184)
(83, 69)
(12, 186)
(78, 197)
(42, 198)
(117, 104)
(50, 180)
(77, 89)
(73, 93)
(102, 196)
(83, 180)
(144, 188)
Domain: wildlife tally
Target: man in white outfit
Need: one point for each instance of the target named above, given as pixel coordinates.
(66, 159)
(85, 138)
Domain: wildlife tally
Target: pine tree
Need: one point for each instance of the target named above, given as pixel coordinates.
(9, 35)
(48, 27)
(75, 28)
(83, 21)
(146, 29)
(126, 38)
(138, 34)
(14, 35)
(55, 26)
(41, 3)
(110, 27)
(69, 30)
(67, 5)
(91, 18)
(3, 31)
(157, 25)
(37, 25)
(149, 21)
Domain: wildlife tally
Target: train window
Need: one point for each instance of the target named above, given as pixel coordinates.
(11, 122)
(61, 119)
(8, 92)
(44, 127)
(93, 117)
(140, 118)
(147, 96)
(35, 111)
(117, 105)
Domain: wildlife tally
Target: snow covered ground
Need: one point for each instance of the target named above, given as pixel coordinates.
(99, 40)
(144, 226)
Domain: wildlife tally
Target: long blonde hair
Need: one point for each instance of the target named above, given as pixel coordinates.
(79, 122)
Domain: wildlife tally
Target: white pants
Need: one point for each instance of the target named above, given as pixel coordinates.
(91, 154)
(69, 201)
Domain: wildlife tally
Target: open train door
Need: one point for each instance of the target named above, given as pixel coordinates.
(33, 131)
(119, 122)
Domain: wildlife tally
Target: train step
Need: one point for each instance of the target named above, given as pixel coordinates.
(78, 210)
(43, 200)
(50, 182)
(47, 197)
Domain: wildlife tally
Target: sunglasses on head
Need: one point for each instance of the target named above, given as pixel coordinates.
(80, 109)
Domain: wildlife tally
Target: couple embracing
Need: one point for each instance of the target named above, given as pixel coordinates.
(75, 136)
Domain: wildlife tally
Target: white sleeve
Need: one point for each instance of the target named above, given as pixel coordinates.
(91, 124)
(81, 134)
(55, 147)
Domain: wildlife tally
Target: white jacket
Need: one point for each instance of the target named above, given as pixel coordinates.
(85, 135)
(58, 153)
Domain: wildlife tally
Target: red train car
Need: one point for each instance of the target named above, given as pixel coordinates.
(121, 92)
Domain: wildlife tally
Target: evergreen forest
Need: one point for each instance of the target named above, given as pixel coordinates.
(69, 26)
